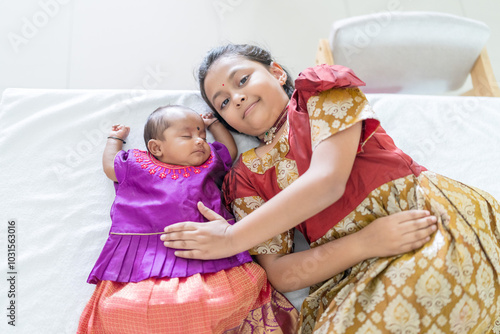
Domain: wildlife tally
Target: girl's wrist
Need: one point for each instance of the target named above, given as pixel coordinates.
(231, 236)
(362, 248)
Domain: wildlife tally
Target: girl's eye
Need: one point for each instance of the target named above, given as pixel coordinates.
(243, 80)
(224, 103)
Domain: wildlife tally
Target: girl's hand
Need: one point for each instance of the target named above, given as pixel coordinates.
(204, 241)
(397, 233)
(120, 131)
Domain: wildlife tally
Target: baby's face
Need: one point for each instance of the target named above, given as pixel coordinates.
(185, 141)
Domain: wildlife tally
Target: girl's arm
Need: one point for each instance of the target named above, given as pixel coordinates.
(221, 134)
(112, 147)
(319, 187)
(386, 236)
(322, 185)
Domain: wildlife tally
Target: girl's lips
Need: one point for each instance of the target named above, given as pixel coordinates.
(249, 109)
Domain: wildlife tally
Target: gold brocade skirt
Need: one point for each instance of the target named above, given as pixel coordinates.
(238, 300)
(450, 285)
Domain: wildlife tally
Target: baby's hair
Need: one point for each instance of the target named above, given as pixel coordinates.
(158, 121)
(251, 52)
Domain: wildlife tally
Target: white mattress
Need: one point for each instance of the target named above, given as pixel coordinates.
(52, 183)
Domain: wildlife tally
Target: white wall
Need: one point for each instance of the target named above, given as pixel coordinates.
(157, 44)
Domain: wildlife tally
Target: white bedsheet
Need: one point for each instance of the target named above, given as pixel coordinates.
(52, 183)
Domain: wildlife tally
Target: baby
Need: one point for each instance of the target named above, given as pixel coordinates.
(141, 285)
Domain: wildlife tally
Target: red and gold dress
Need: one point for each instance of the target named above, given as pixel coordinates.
(450, 285)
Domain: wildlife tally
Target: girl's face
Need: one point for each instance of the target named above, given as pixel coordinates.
(247, 94)
(184, 141)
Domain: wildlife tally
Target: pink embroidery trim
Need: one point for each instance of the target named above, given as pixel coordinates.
(153, 166)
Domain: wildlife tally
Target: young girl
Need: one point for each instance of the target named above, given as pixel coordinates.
(326, 166)
(142, 287)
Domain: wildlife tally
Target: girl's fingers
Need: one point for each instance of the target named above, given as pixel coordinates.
(179, 236)
(423, 233)
(424, 223)
(418, 224)
(208, 213)
(179, 244)
(180, 227)
(416, 244)
(405, 216)
(190, 254)
(419, 237)
(173, 236)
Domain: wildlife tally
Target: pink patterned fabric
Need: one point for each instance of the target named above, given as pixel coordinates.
(238, 300)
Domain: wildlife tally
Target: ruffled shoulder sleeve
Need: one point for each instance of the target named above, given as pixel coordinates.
(328, 98)
(324, 77)
(337, 109)
(223, 153)
(220, 162)
(318, 79)
(121, 164)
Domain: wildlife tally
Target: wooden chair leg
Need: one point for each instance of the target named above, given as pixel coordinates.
(324, 54)
(483, 79)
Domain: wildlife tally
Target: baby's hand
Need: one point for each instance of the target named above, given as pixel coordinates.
(120, 131)
(208, 119)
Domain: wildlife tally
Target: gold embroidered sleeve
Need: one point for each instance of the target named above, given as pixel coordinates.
(280, 244)
(335, 110)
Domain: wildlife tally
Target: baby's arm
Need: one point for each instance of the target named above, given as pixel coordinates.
(221, 134)
(113, 146)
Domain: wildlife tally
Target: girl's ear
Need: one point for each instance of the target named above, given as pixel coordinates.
(154, 147)
(278, 72)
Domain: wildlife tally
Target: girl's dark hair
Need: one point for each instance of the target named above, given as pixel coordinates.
(251, 52)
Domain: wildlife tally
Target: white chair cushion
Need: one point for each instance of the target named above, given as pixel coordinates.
(409, 52)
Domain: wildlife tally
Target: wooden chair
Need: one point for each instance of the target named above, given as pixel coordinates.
(412, 52)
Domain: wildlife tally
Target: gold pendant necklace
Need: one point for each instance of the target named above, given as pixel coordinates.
(270, 134)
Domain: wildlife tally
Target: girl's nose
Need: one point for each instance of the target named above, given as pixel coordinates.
(239, 100)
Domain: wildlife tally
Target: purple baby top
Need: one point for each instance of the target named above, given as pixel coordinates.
(149, 196)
